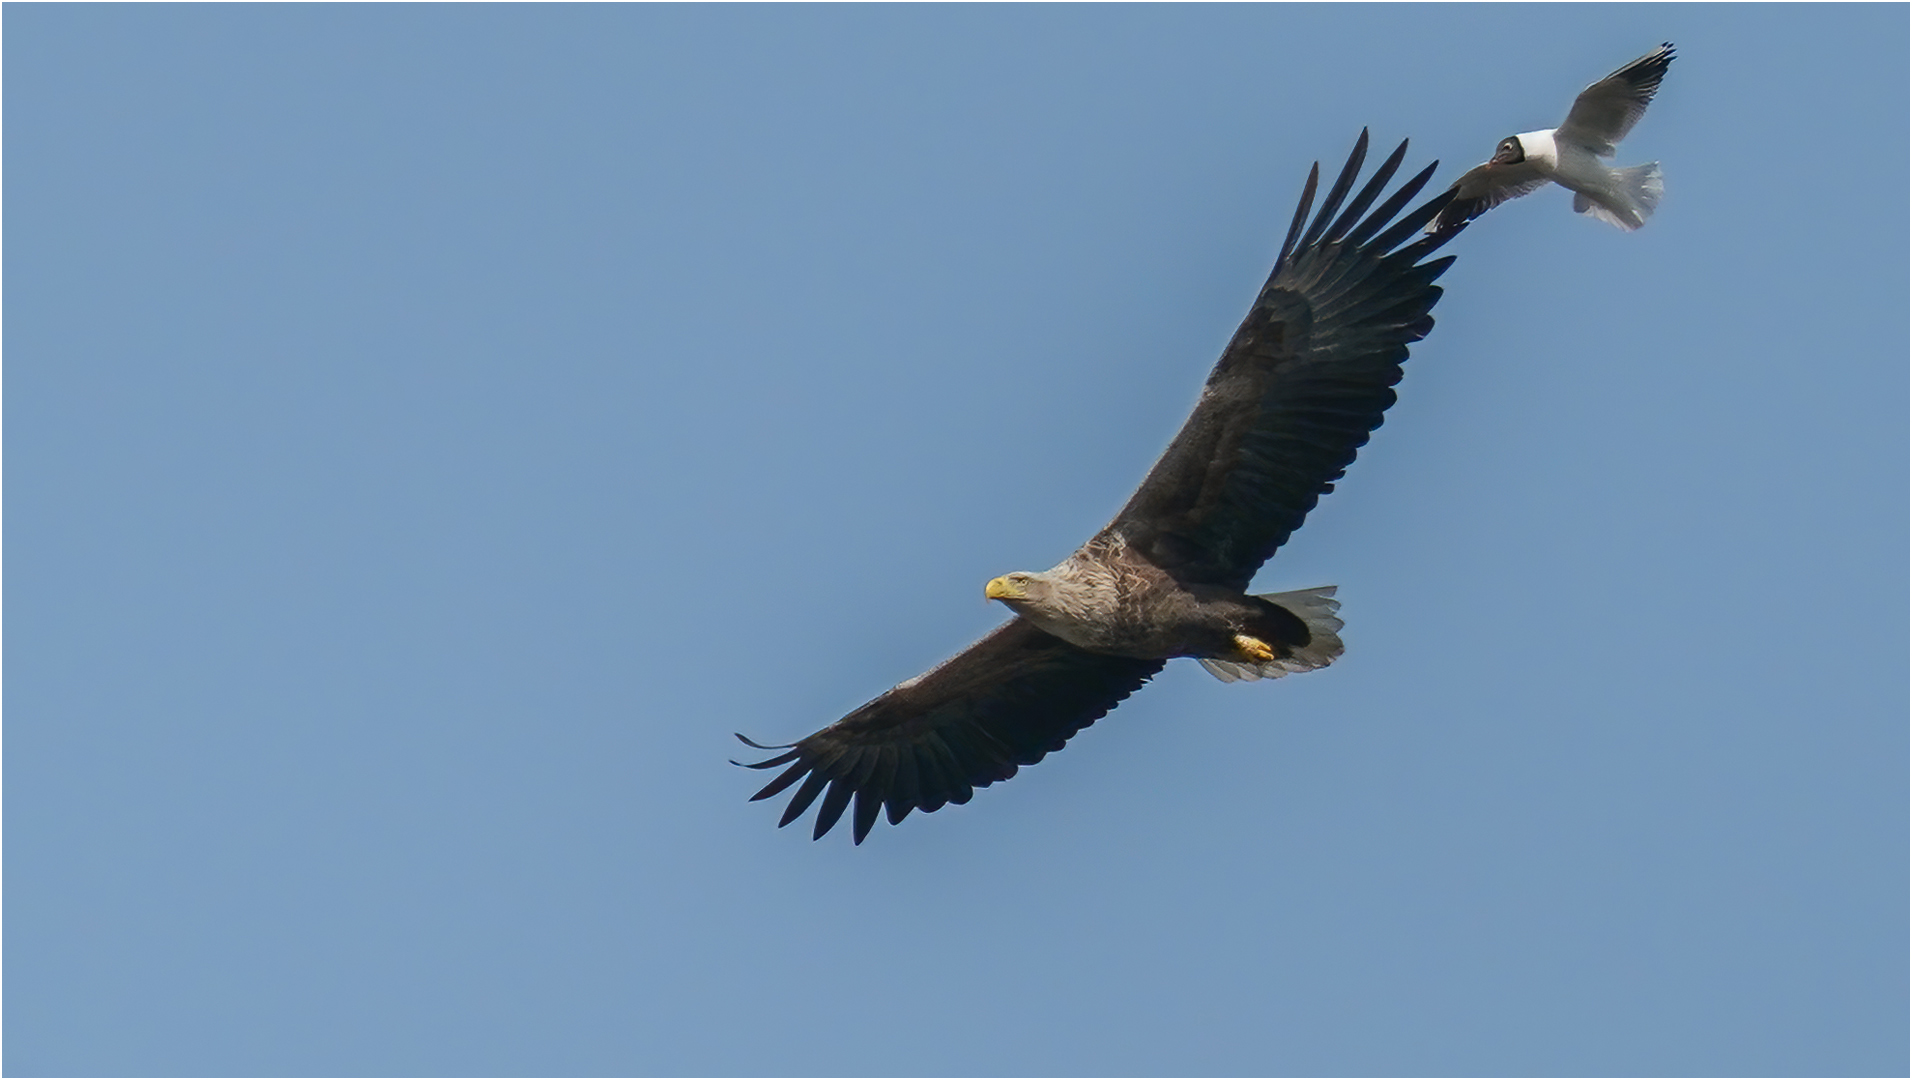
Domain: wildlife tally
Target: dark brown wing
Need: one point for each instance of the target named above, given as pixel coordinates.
(1303, 382)
(1604, 112)
(1002, 703)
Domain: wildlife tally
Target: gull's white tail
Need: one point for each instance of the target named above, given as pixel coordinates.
(1629, 200)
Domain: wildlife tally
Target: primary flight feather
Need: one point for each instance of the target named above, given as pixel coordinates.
(1296, 392)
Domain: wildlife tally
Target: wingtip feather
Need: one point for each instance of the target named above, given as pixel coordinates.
(1301, 215)
(1337, 191)
(784, 779)
(801, 801)
(833, 806)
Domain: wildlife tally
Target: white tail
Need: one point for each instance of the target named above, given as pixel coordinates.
(1317, 608)
(1632, 197)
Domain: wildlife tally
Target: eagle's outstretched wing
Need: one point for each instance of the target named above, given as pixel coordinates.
(1299, 388)
(1002, 703)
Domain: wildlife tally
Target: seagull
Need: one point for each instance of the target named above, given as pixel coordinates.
(1570, 154)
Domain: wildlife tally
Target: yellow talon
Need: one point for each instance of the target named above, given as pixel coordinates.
(1254, 648)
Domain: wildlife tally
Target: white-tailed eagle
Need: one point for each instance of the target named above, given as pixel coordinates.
(1297, 391)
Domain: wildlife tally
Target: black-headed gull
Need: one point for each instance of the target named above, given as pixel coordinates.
(1570, 154)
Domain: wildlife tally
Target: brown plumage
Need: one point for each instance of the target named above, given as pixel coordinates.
(1297, 391)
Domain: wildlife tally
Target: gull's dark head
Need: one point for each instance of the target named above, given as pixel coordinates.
(1509, 152)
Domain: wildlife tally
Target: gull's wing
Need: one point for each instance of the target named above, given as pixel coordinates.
(1300, 386)
(1604, 112)
(1484, 187)
(1004, 702)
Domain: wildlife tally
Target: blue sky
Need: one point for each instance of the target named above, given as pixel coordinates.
(431, 431)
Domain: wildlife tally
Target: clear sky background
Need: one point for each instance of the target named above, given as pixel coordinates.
(431, 431)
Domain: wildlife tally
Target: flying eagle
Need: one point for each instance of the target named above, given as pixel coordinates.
(1295, 394)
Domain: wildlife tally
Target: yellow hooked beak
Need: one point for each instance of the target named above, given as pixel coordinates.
(1003, 589)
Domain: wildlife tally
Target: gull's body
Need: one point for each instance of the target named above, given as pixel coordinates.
(1570, 155)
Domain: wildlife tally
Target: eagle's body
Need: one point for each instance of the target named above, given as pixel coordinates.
(1303, 382)
(1108, 599)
